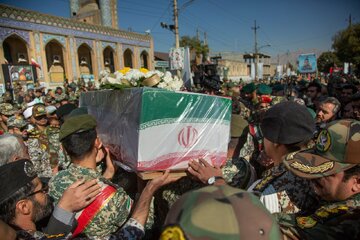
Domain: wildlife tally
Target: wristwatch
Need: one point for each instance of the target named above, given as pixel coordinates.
(213, 179)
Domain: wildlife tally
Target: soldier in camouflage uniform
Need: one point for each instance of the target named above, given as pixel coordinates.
(219, 212)
(17, 126)
(6, 110)
(43, 143)
(116, 209)
(333, 165)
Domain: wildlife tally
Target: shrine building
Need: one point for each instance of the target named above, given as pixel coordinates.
(72, 48)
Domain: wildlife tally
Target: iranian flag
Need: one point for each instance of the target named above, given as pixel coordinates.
(35, 63)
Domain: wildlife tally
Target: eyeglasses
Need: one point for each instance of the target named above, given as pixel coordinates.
(44, 190)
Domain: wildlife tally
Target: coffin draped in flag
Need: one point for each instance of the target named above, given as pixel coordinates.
(150, 129)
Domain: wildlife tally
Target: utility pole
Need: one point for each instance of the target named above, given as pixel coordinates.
(349, 20)
(176, 29)
(205, 38)
(197, 34)
(255, 28)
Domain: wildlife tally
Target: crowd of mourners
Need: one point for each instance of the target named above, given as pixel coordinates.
(293, 169)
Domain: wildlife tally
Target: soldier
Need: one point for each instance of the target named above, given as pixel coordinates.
(17, 126)
(287, 127)
(6, 110)
(111, 210)
(23, 202)
(333, 166)
(43, 143)
(219, 212)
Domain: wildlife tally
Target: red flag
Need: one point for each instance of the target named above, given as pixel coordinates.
(33, 62)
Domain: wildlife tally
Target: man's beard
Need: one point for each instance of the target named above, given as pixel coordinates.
(41, 211)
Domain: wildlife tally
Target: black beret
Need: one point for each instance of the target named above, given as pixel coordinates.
(288, 123)
(76, 124)
(64, 110)
(14, 176)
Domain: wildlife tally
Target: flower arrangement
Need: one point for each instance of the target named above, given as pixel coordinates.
(128, 77)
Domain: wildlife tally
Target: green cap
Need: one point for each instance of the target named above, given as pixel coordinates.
(16, 121)
(219, 212)
(249, 88)
(264, 89)
(75, 124)
(337, 148)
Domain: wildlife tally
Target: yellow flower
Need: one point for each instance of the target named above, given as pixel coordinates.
(143, 70)
(124, 70)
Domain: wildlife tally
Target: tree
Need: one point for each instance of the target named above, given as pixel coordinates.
(346, 44)
(196, 45)
(327, 60)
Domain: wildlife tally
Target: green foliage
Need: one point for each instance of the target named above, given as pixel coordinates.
(346, 44)
(194, 44)
(327, 60)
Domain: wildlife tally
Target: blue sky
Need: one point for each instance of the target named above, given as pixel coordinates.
(287, 25)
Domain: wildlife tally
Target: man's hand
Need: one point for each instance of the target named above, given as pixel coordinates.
(79, 195)
(110, 167)
(203, 170)
(158, 182)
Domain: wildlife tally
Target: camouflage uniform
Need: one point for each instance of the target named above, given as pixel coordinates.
(38, 147)
(112, 215)
(57, 155)
(238, 172)
(337, 149)
(338, 220)
(219, 212)
(282, 191)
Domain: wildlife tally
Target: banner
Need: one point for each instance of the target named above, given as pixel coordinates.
(177, 58)
(307, 63)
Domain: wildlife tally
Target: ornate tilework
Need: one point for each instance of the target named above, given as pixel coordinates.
(99, 56)
(73, 62)
(48, 37)
(106, 16)
(80, 41)
(108, 44)
(6, 32)
(125, 46)
(38, 53)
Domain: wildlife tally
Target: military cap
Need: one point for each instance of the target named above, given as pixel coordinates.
(14, 176)
(249, 88)
(264, 89)
(288, 123)
(65, 110)
(16, 121)
(219, 212)
(28, 112)
(78, 111)
(8, 109)
(77, 124)
(38, 110)
(337, 148)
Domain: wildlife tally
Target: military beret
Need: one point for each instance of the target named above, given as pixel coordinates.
(249, 88)
(264, 89)
(288, 123)
(64, 110)
(78, 111)
(77, 124)
(14, 176)
(206, 213)
(39, 110)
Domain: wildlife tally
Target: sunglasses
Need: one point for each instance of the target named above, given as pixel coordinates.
(38, 118)
(44, 190)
